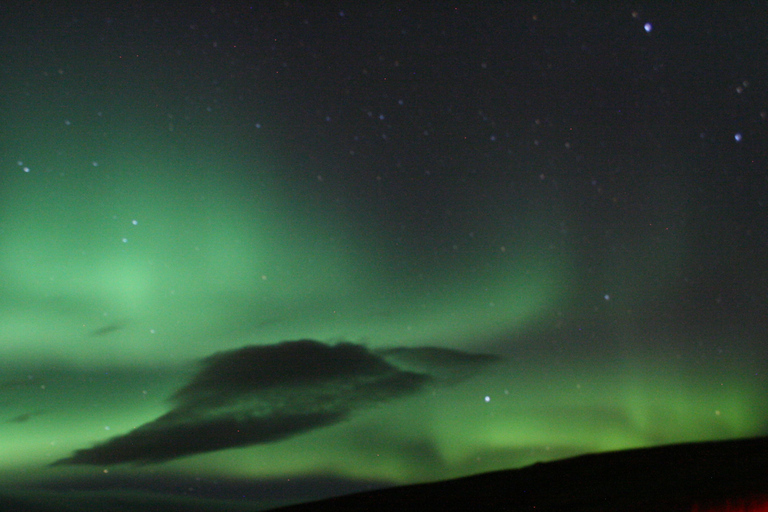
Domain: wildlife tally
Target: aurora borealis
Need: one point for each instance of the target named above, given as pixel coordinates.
(522, 234)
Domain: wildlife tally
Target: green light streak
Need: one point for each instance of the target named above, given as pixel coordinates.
(212, 262)
(187, 261)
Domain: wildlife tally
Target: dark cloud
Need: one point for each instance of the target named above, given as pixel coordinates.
(23, 418)
(108, 329)
(449, 366)
(261, 394)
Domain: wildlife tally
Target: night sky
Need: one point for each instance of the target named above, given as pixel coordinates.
(273, 251)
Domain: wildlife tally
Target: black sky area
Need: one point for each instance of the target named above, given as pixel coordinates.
(596, 91)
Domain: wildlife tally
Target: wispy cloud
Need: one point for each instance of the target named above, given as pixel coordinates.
(262, 394)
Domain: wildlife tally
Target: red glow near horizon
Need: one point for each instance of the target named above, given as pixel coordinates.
(756, 504)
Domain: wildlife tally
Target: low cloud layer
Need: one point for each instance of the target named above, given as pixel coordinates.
(262, 394)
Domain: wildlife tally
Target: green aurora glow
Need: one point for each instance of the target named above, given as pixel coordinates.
(98, 331)
(134, 242)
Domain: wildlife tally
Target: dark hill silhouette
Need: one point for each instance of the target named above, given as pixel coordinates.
(695, 477)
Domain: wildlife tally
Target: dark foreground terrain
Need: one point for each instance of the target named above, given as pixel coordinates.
(724, 476)
(712, 476)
